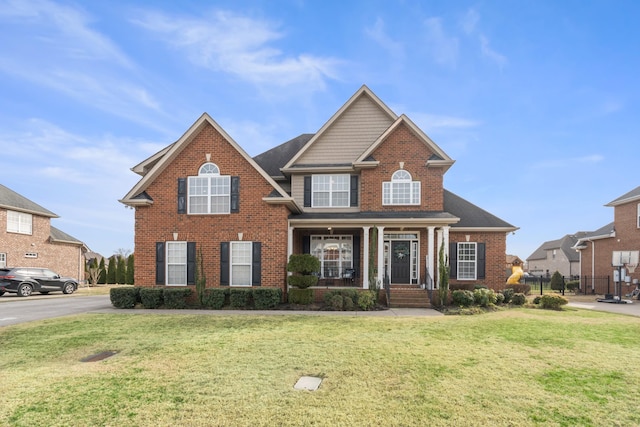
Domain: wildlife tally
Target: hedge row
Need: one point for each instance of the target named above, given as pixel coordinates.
(179, 298)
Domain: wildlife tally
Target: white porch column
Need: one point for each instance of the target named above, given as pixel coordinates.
(380, 255)
(430, 253)
(365, 258)
(289, 242)
(438, 245)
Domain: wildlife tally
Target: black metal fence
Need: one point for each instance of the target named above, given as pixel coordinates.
(596, 285)
(590, 285)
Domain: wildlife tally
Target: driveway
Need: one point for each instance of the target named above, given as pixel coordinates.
(632, 309)
(14, 309)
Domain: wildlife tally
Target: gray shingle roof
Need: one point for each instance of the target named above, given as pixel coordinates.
(565, 244)
(471, 215)
(627, 197)
(274, 159)
(9, 199)
(58, 235)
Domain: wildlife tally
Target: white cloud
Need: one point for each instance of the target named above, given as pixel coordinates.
(443, 47)
(241, 46)
(470, 25)
(486, 50)
(469, 21)
(378, 34)
(564, 163)
(435, 121)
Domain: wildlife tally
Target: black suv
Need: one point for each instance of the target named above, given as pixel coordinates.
(25, 280)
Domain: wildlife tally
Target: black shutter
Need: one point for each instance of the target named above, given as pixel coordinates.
(191, 263)
(235, 194)
(356, 254)
(307, 191)
(224, 263)
(182, 195)
(481, 260)
(354, 190)
(256, 264)
(306, 244)
(453, 260)
(160, 263)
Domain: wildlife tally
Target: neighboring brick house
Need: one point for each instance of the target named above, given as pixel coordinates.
(556, 255)
(364, 194)
(28, 239)
(623, 234)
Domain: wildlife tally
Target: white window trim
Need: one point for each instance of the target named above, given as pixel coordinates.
(638, 219)
(475, 261)
(3, 259)
(19, 222)
(232, 263)
(331, 191)
(209, 171)
(401, 177)
(167, 263)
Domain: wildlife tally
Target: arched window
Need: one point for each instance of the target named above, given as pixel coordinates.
(401, 190)
(209, 191)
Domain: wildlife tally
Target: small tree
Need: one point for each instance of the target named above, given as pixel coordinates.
(121, 270)
(303, 266)
(443, 271)
(201, 278)
(102, 272)
(93, 273)
(111, 269)
(556, 281)
(130, 270)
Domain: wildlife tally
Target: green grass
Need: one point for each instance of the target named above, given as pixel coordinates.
(515, 367)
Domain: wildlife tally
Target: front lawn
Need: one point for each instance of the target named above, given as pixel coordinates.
(514, 367)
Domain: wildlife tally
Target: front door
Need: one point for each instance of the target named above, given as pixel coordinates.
(400, 261)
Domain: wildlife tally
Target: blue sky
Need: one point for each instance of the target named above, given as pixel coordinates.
(537, 101)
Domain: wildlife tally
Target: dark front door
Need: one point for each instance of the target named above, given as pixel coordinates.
(401, 262)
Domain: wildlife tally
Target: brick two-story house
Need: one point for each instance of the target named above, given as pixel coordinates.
(364, 194)
(27, 238)
(623, 234)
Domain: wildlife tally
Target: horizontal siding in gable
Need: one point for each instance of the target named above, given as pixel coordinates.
(350, 135)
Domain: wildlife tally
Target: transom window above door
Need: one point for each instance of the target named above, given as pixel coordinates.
(401, 190)
(330, 191)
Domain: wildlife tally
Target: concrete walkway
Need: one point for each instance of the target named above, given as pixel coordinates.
(632, 309)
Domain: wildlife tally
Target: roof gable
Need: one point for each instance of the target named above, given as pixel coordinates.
(163, 158)
(631, 196)
(11, 200)
(439, 158)
(471, 216)
(350, 131)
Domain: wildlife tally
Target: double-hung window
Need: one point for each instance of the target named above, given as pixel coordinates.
(176, 263)
(209, 192)
(467, 261)
(330, 191)
(401, 190)
(241, 262)
(19, 222)
(335, 253)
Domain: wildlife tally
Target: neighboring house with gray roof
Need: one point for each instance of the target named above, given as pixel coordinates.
(623, 234)
(364, 194)
(27, 238)
(556, 255)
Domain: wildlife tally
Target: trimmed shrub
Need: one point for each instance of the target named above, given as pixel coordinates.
(347, 303)
(239, 298)
(499, 298)
(508, 294)
(484, 297)
(266, 298)
(536, 300)
(302, 282)
(521, 288)
(300, 296)
(125, 297)
(518, 299)
(556, 281)
(336, 302)
(552, 302)
(462, 298)
(215, 298)
(176, 298)
(367, 300)
(572, 285)
(151, 297)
